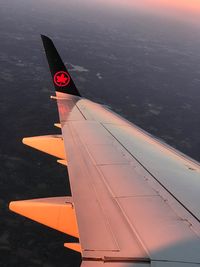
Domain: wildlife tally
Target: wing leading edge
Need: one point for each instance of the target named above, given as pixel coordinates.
(133, 199)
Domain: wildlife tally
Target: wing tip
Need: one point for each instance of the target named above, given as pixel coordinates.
(45, 38)
(60, 76)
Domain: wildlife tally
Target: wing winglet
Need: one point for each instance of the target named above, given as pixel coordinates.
(61, 78)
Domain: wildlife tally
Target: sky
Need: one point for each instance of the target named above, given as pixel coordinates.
(188, 10)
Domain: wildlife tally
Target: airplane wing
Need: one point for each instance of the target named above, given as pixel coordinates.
(135, 200)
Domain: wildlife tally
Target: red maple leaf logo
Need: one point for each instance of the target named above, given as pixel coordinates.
(61, 78)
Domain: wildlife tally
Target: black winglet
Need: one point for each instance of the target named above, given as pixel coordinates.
(60, 76)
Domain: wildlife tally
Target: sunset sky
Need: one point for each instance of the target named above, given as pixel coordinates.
(184, 9)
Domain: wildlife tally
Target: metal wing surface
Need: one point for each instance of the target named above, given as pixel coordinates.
(135, 200)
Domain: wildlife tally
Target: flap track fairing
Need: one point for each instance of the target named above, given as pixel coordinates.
(50, 144)
(56, 212)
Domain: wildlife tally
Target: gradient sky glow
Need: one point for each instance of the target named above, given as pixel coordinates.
(182, 9)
